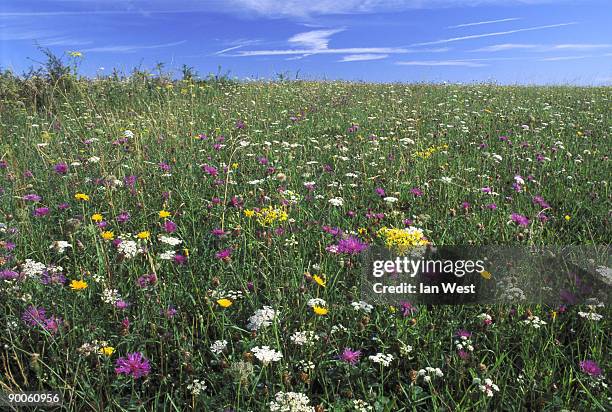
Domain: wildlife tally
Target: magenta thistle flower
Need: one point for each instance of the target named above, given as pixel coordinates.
(590, 367)
(351, 356)
(416, 192)
(380, 191)
(34, 316)
(210, 170)
(41, 211)
(134, 364)
(519, 219)
(351, 246)
(407, 308)
(170, 226)
(32, 197)
(224, 254)
(462, 333)
(61, 168)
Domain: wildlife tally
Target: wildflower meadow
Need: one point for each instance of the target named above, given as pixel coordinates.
(180, 245)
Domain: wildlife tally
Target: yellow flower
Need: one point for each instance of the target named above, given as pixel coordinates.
(145, 234)
(225, 303)
(567, 218)
(164, 214)
(107, 235)
(186, 252)
(82, 196)
(78, 285)
(107, 350)
(554, 314)
(486, 274)
(320, 281)
(97, 217)
(392, 309)
(75, 54)
(319, 310)
(249, 213)
(234, 165)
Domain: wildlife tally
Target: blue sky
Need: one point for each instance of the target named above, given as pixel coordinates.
(506, 41)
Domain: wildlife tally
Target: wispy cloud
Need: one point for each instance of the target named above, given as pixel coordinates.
(541, 47)
(560, 58)
(460, 63)
(478, 23)
(129, 48)
(498, 33)
(317, 42)
(362, 57)
(315, 39)
(507, 46)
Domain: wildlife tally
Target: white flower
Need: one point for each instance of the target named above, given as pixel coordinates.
(128, 134)
(266, 355)
(446, 179)
(110, 296)
(488, 387)
(33, 268)
(167, 255)
(218, 346)
(361, 305)
(534, 321)
(196, 387)
(307, 338)
(518, 179)
(316, 302)
(591, 316)
(290, 402)
(169, 240)
(128, 248)
(381, 358)
(93, 159)
(390, 199)
(360, 405)
(60, 246)
(336, 201)
(261, 318)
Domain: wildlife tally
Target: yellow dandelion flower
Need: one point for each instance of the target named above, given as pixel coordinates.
(320, 310)
(78, 285)
(234, 165)
(567, 218)
(486, 274)
(82, 196)
(145, 234)
(320, 280)
(249, 213)
(107, 235)
(225, 303)
(164, 214)
(107, 350)
(97, 217)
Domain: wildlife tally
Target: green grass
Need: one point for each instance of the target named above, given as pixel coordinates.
(568, 126)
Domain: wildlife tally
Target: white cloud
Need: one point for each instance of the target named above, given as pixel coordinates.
(499, 33)
(581, 46)
(462, 63)
(129, 48)
(560, 58)
(506, 46)
(362, 57)
(315, 39)
(478, 23)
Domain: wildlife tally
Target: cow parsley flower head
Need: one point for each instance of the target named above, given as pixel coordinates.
(290, 402)
(266, 355)
(261, 318)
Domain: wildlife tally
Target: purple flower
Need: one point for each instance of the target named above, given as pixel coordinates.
(41, 211)
(7, 274)
(170, 312)
(351, 246)
(180, 259)
(32, 197)
(61, 168)
(416, 192)
(486, 189)
(351, 356)
(218, 232)
(590, 367)
(130, 181)
(380, 191)
(224, 254)
(146, 280)
(463, 354)
(52, 278)
(210, 170)
(134, 364)
(121, 304)
(34, 316)
(462, 333)
(407, 308)
(123, 217)
(519, 219)
(240, 124)
(491, 206)
(164, 167)
(465, 205)
(539, 200)
(170, 226)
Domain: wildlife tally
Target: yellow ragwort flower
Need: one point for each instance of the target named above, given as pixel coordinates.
(320, 310)
(164, 214)
(107, 235)
(145, 234)
(320, 280)
(249, 213)
(82, 196)
(97, 217)
(225, 303)
(78, 285)
(567, 218)
(107, 350)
